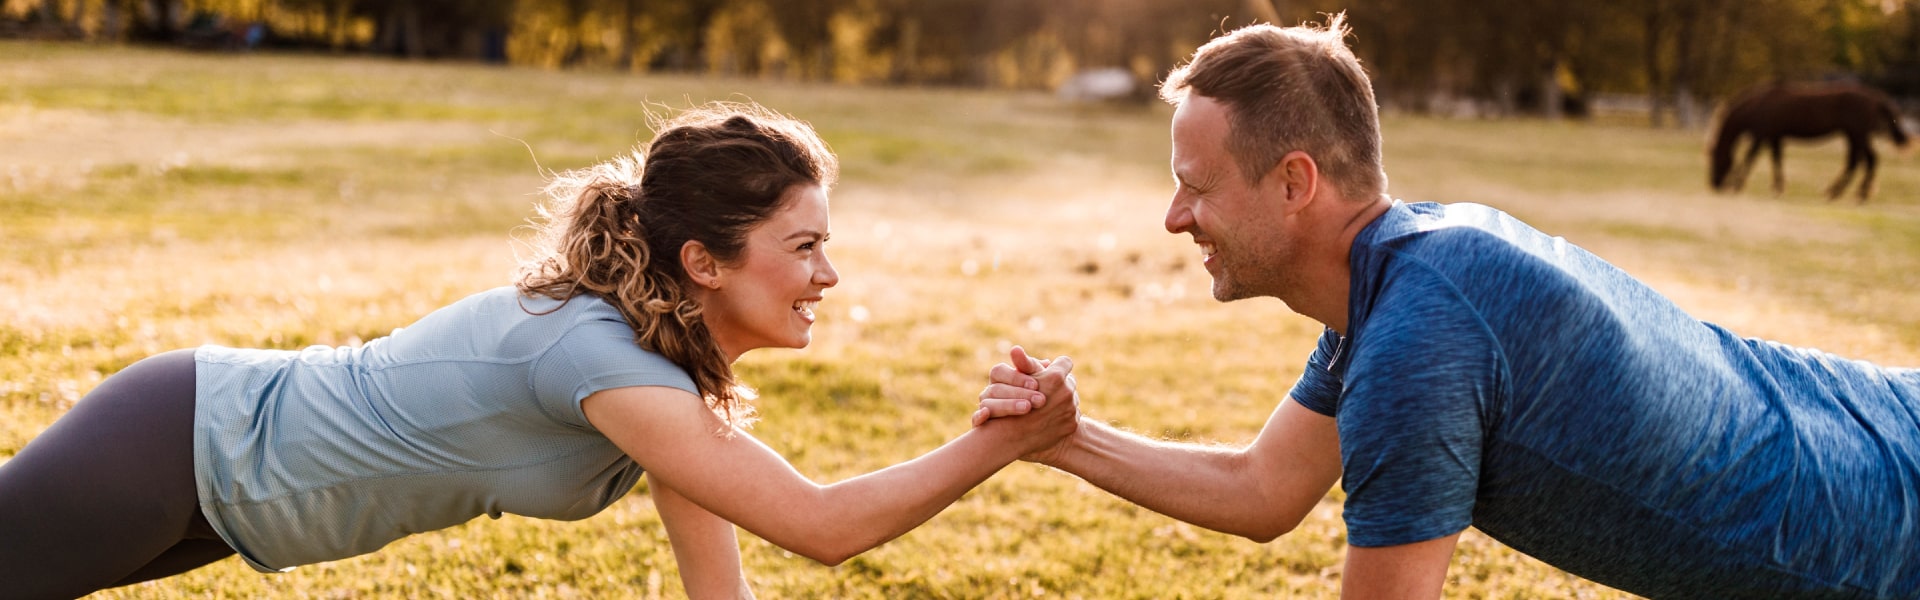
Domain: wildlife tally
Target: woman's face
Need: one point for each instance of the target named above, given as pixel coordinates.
(766, 298)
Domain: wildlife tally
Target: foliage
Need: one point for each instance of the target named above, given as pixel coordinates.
(1450, 56)
(152, 200)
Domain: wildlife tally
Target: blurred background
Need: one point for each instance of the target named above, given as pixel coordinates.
(280, 173)
(1666, 60)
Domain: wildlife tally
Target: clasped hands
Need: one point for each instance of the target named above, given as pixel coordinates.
(1038, 395)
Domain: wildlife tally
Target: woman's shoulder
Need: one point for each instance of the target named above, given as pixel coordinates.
(536, 305)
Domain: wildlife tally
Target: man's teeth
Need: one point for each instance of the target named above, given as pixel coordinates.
(1206, 249)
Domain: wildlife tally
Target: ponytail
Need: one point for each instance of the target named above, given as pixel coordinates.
(593, 241)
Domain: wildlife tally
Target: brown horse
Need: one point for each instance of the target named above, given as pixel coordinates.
(1772, 112)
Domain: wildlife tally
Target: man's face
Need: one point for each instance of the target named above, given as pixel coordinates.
(1236, 224)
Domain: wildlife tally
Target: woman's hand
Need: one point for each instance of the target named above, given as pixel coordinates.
(1037, 396)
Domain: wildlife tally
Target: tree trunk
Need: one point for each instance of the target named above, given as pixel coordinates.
(1913, 31)
(630, 36)
(78, 22)
(337, 16)
(1681, 85)
(906, 66)
(1551, 96)
(1655, 101)
(412, 38)
(110, 26)
(573, 21)
(172, 13)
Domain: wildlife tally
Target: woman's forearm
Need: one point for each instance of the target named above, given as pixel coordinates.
(860, 513)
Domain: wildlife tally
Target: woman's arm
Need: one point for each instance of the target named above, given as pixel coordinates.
(680, 443)
(703, 546)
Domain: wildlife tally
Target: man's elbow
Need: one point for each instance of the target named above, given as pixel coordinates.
(1268, 528)
(1268, 532)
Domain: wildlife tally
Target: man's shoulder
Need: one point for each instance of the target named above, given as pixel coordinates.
(1450, 241)
(1472, 262)
(1441, 228)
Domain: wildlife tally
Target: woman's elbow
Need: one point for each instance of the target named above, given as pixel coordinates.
(826, 550)
(833, 559)
(826, 554)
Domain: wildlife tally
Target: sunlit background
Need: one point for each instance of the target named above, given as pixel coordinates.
(1671, 59)
(279, 174)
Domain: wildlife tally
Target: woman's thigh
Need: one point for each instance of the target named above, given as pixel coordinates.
(107, 489)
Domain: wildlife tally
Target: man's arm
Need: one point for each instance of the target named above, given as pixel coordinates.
(1417, 570)
(1258, 492)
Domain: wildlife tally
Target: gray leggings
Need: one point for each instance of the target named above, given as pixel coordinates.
(106, 497)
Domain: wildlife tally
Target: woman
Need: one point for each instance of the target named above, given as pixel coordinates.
(611, 354)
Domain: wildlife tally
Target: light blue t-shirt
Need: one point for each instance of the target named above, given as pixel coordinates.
(326, 453)
(1496, 376)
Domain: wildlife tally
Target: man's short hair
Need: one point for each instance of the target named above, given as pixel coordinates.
(1297, 88)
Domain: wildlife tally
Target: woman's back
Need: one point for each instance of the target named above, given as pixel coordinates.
(325, 453)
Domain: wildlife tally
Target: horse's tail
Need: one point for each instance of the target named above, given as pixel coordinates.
(1894, 127)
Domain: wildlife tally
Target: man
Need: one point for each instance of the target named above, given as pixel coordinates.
(1477, 372)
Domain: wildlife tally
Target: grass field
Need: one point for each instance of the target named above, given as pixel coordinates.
(156, 200)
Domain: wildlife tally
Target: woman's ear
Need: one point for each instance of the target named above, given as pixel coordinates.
(700, 264)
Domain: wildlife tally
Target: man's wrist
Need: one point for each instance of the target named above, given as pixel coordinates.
(1067, 451)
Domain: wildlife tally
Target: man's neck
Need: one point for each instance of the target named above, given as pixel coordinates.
(1327, 277)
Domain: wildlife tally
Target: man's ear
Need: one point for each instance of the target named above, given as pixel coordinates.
(700, 264)
(1295, 180)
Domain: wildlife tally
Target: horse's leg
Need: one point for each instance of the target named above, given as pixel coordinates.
(1854, 157)
(1745, 168)
(1779, 176)
(1866, 182)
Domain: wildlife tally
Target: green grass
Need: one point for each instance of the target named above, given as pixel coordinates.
(155, 200)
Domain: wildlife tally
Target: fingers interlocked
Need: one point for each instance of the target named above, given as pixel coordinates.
(1023, 385)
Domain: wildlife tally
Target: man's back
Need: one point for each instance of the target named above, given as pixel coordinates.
(1498, 376)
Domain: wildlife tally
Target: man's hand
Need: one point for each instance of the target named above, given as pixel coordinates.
(1027, 387)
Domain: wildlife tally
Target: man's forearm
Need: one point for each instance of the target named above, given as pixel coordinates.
(1209, 486)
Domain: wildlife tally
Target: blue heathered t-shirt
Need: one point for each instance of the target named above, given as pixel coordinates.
(1499, 377)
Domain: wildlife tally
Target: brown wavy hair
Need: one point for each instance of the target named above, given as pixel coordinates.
(615, 229)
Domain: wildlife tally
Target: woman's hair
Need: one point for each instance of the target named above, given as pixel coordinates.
(615, 229)
(1297, 88)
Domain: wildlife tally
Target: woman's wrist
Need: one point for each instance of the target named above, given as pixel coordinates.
(1004, 442)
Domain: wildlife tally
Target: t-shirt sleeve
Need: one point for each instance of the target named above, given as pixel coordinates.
(598, 354)
(1318, 388)
(1411, 422)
